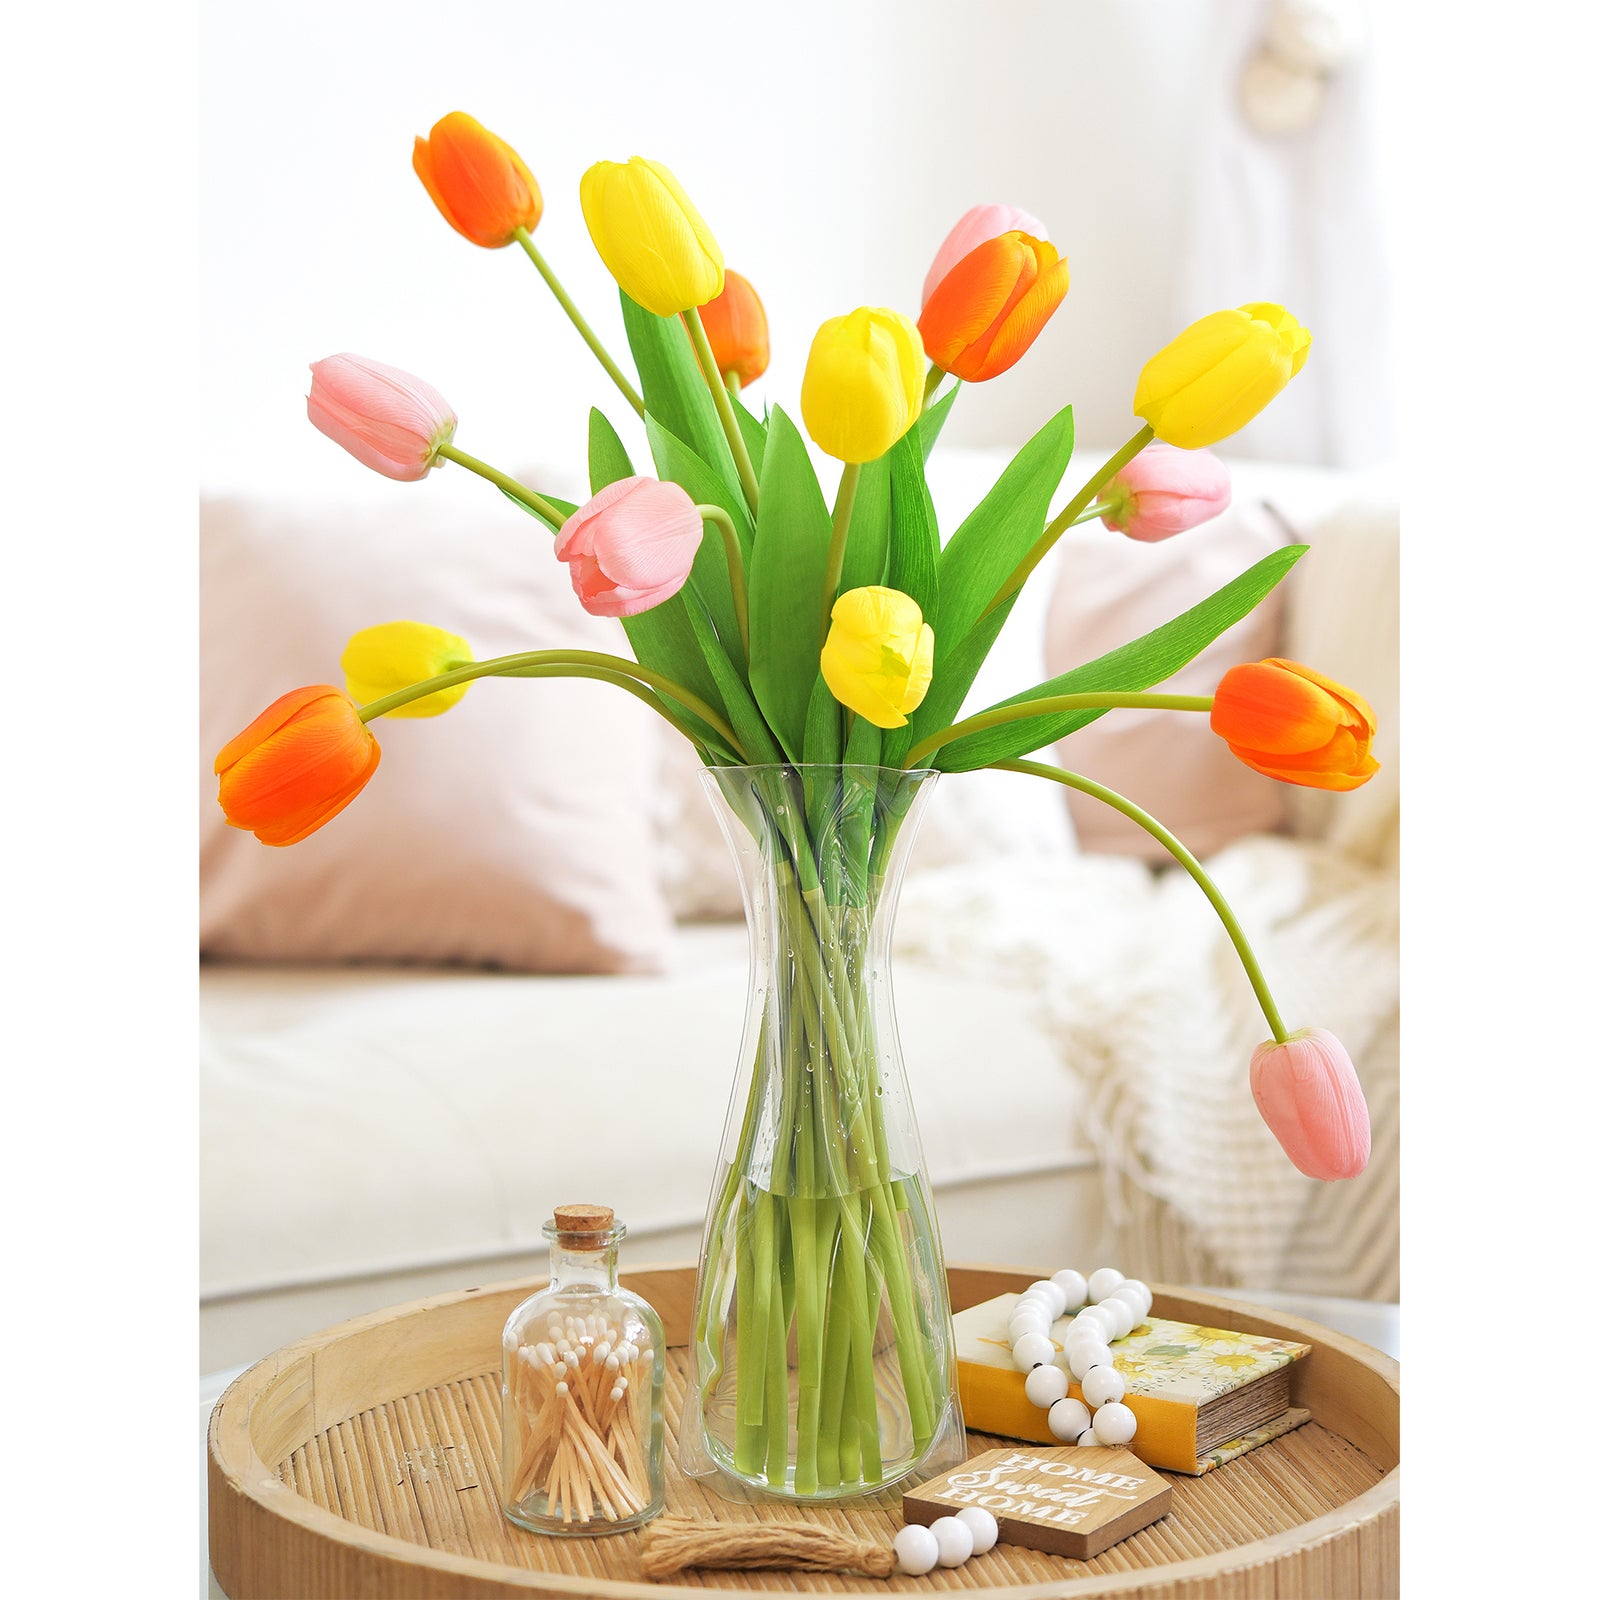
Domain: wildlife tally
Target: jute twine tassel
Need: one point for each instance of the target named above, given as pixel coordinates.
(673, 1543)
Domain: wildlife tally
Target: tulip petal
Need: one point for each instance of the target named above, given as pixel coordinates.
(1308, 1094)
(1264, 708)
(981, 223)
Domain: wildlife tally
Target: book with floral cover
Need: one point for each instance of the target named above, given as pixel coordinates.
(1202, 1396)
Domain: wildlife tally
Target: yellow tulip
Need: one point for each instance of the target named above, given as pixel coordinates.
(1219, 372)
(394, 655)
(879, 656)
(863, 383)
(651, 238)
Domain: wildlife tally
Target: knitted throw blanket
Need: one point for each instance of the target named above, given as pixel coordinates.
(1133, 977)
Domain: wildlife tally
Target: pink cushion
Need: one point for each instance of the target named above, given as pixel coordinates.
(509, 832)
(1110, 589)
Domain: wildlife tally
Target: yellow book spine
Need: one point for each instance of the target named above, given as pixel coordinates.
(995, 1400)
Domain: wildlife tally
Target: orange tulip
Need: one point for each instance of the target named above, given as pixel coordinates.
(990, 306)
(300, 763)
(478, 182)
(736, 327)
(1293, 724)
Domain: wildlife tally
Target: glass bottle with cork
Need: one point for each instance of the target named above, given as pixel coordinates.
(582, 1381)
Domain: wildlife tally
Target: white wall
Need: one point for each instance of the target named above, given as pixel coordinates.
(830, 145)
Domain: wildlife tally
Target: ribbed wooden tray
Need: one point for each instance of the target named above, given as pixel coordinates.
(362, 1461)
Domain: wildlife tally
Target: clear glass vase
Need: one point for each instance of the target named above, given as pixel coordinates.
(823, 1357)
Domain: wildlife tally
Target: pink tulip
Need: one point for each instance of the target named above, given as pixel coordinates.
(1163, 490)
(387, 419)
(1307, 1092)
(978, 226)
(631, 547)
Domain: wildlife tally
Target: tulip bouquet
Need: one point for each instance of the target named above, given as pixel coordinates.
(816, 651)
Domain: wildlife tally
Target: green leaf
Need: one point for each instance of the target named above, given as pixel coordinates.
(954, 668)
(823, 733)
(931, 423)
(760, 748)
(864, 748)
(565, 507)
(709, 579)
(608, 458)
(1138, 665)
(987, 548)
(866, 553)
(787, 567)
(914, 545)
(753, 430)
(675, 392)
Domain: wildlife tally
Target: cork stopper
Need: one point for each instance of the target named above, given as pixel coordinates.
(584, 1219)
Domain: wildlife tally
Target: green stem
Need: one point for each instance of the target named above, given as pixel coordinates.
(1070, 513)
(936, 376)
(630, 394)
(1185, 859)
(1052, 705)
(575, 664)
(1101, 508)
(719, 394)
(844, 503)
(735, 554)
(730, 382)
(505, 483)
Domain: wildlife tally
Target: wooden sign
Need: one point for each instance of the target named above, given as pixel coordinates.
(1075, 1501)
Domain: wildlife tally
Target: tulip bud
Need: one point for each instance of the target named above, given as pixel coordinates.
(300, 763)
(1307, 1092)
(479, 183)
(863, 383)
(392, 656)
(736, 329)
(1164, 491)
(1293, 724)
(387, 419)
(878, 658)
(631, 547)
(991, 305)
(651, 238)
(978, 226)
(1218, 373)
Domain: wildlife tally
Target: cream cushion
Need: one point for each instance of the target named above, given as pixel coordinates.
(507, 832)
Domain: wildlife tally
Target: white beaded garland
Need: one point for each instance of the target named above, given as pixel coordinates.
(1102, 1281)
(1102, 1385)
(1118, 1305)
(1115, 1423)
(954, 1539)
(1046, 1385)
(916, 1550)
(1088, 1354)
(1067, 1419)
(985, 1530)
(1073, 1285)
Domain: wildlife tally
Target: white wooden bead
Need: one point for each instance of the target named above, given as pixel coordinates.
(1073, 1285)
(1046, 1385)
(1053, 1295)
(1123, 1315)
(1102, 1385)
(985, 1530)
(1089, 1438)
(1102, 1281)
(1145, 1296)
(1100, 1318)
(1027, 1322)
(1114, 1423)
(1086, 1355)
(1068, 1418)
(954, 1539)
(1032, 1350)
(916, 1550)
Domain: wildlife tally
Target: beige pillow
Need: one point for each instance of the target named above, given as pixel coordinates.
(513, 831)
(1110, 589)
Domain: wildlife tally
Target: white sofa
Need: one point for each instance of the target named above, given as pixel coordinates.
(374, 1134)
